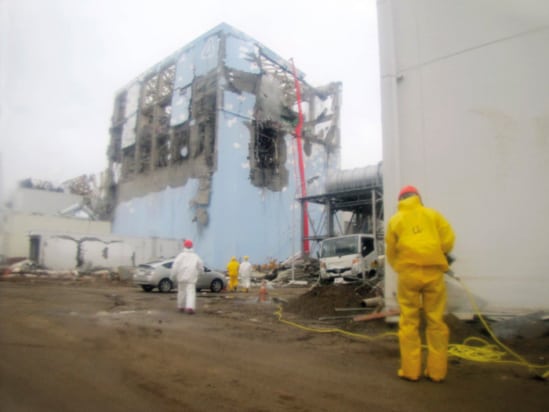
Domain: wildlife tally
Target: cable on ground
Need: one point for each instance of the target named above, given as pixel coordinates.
(472, 349)
(278, 313)
(487, 352)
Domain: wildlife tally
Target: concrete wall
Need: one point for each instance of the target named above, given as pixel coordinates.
(18, 226)
(60, 250)
(465, 111)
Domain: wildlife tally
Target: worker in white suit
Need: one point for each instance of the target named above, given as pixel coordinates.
(185, 270)
(245, 272)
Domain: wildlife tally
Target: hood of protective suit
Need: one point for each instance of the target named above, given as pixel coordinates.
(418, 236)
(409, 203)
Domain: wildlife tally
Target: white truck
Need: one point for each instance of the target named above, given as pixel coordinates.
(350, 257)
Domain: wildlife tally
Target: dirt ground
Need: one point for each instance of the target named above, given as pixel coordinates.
(98, 345)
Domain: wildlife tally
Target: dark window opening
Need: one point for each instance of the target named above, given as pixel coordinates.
(268, 156)
(180, 146)
(266, 153)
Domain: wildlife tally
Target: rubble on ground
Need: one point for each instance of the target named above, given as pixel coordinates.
(29, 269)
(322, 301)
(294, 268)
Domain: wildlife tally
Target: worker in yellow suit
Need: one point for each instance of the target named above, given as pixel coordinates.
(418, 241)
(232, 270)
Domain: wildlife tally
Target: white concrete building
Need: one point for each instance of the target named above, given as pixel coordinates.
(54, 230)
(465, 107)
(33, 210)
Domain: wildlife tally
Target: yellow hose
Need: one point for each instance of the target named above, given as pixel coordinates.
(473, 349)
(278, 313)
(487, 352)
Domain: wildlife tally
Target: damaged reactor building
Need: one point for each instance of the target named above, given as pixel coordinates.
(203, 145)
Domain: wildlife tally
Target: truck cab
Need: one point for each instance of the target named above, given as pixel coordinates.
(348, 257)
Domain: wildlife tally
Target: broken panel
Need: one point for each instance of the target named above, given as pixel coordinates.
(270, 99)
(128, 131)
(181, 104)
(202, 137)
(241, 54)
(132, 102)
(325, 114)
(184, 70)
(132, 99)
(239, 104)
(206, 54)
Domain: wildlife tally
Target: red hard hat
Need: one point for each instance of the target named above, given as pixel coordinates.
(407, 190)
(188, 244)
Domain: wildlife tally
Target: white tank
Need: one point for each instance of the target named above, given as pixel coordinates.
(357, 178)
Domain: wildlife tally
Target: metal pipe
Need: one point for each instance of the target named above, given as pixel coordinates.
(370, 302)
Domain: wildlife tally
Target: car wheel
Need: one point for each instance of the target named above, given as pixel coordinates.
(147, 288)
(216, 286)
(165, 285)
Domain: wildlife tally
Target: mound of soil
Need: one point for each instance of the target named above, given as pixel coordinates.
(322, 300)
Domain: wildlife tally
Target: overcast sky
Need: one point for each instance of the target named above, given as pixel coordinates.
(62, 61)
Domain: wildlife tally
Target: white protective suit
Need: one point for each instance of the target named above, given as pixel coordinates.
(245, 273)
(185, 270)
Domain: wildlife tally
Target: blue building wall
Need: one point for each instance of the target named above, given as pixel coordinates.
(243, 219)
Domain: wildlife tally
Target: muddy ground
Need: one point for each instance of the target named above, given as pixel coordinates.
(95, 345)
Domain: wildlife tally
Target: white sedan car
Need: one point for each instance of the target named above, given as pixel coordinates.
(156, 275)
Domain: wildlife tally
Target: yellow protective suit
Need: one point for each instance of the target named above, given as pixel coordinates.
(417, 241)
(232, 270)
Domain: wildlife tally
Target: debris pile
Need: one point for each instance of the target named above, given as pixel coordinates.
(295, 268)
(84, 185)
(28, 269)
(324, 300)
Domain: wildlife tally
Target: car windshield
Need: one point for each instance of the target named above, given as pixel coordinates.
(339, 247)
